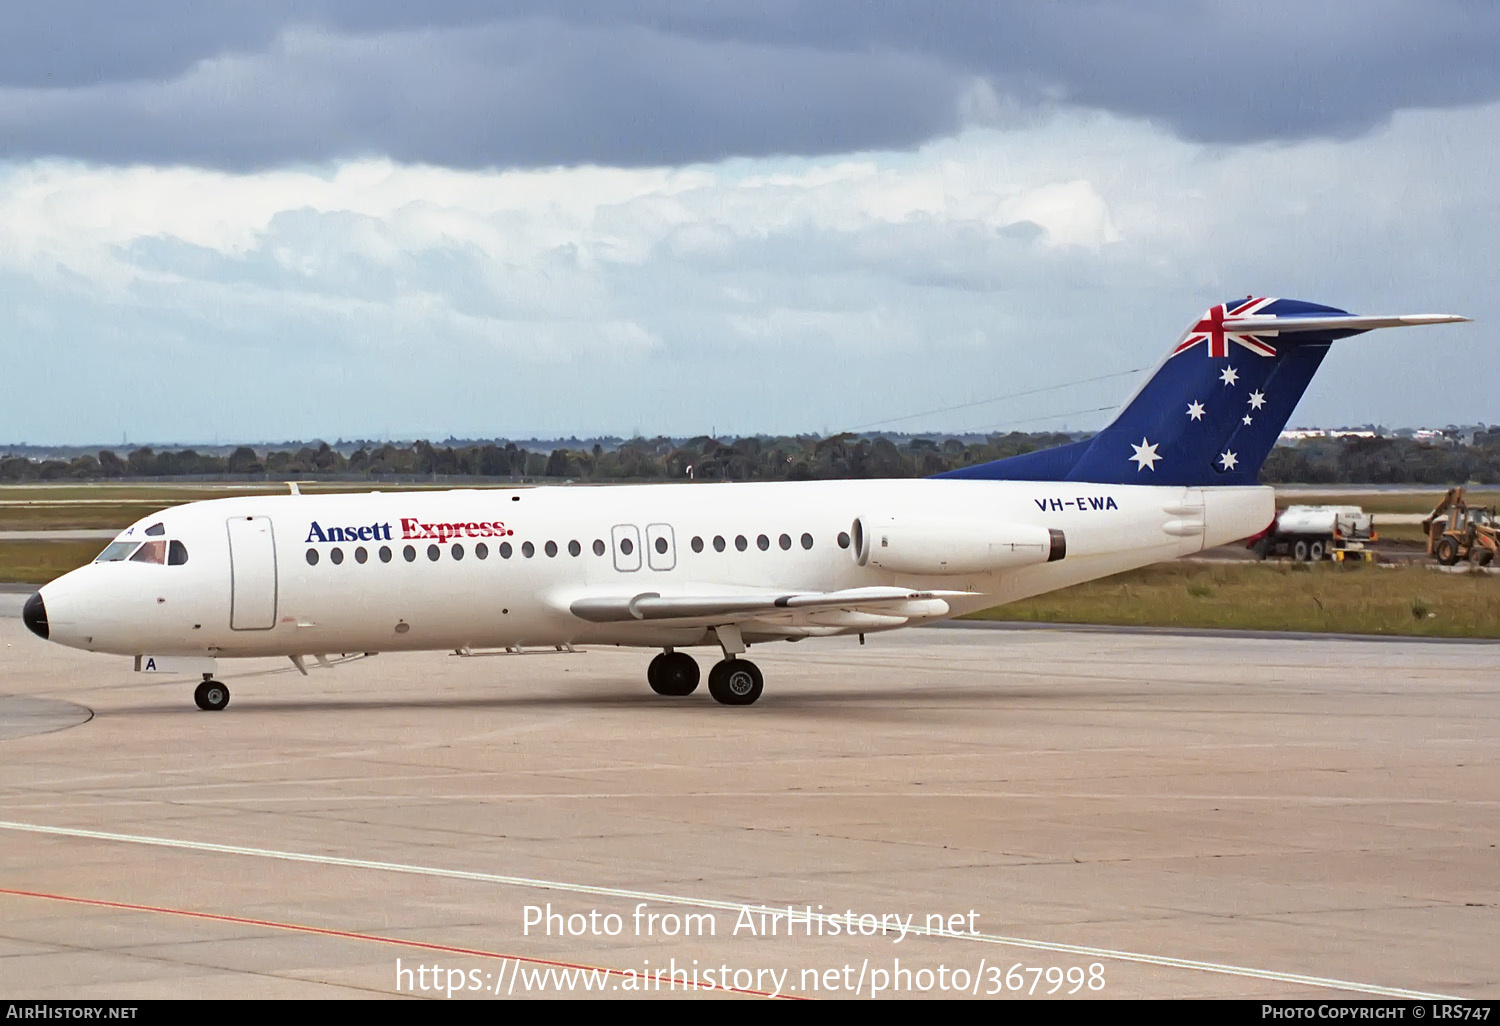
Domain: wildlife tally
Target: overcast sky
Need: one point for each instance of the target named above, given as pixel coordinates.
(271, 220)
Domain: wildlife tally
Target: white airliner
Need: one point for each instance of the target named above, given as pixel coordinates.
(679, 566)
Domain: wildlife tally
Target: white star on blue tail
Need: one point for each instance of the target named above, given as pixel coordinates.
(1247, 420)
(1195, 411)
(1227, 460)
(1230, 376)
(1145, 455)
(1257, 400)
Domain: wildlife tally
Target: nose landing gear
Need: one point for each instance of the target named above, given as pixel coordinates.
(211, 696)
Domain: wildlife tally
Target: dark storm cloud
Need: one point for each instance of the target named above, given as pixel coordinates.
(518, 94)
(468, 83)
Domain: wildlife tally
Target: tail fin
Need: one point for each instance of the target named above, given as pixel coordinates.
(1215, 406)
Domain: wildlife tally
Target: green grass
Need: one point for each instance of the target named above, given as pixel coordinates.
(72, 518)
(40, 562)
(1351, 599)
(156, 491)
(1408, 533)
(117, 506)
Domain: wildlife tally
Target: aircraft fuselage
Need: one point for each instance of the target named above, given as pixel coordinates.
(492, 568)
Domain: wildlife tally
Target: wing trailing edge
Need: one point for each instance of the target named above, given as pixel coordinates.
(737, 608)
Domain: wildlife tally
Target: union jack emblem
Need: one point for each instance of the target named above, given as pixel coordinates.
(1217, 329)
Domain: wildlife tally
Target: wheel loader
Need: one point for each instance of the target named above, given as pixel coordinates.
(1456, 531)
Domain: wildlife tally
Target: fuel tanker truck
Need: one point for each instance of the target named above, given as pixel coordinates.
(1312, 533)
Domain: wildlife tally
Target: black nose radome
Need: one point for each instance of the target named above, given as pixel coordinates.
(34, 616)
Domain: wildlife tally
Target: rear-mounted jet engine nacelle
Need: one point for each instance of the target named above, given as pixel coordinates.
(934, 547)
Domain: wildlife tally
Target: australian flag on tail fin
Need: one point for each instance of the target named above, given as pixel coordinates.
(1213, 409)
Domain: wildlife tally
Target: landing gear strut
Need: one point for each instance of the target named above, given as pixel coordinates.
(673, 673)
(211, 696)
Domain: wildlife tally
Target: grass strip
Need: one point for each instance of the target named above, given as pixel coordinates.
(37, 562)
(1354, 598)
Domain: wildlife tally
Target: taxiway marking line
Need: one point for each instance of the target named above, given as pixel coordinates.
(372, 938)
(1219, 968)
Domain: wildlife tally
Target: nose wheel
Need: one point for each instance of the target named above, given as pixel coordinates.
(735, 682)
(211, 696)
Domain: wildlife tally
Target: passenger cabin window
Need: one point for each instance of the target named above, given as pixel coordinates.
(151, 552)
(176, 553)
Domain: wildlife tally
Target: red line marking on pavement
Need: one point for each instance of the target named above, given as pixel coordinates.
(374, 939)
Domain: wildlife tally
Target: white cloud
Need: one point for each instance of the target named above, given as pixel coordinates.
(821, 291)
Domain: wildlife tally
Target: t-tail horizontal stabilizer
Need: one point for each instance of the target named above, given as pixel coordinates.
(1213, 409)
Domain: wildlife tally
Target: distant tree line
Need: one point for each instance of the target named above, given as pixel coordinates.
(1382, 460)
(1385, 460)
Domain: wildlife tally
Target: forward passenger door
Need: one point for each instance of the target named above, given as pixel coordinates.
(252, 574)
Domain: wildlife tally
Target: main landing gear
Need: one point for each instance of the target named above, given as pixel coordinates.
(211, 696)
(732, 681)
(673, 673)
(735, 681)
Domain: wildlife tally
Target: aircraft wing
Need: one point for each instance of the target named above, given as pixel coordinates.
(880, 604)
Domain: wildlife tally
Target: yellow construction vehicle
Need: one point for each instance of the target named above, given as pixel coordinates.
(1456, 530)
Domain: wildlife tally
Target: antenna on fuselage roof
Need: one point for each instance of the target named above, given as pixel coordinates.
(293, 486)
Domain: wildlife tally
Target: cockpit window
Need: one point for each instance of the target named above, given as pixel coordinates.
(172, 553)
(156, 530)
(151, 552)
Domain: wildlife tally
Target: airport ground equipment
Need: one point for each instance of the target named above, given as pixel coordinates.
(1457, 530)
(1314, 533)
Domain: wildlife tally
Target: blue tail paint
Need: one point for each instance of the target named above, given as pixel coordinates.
(1210, 413)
